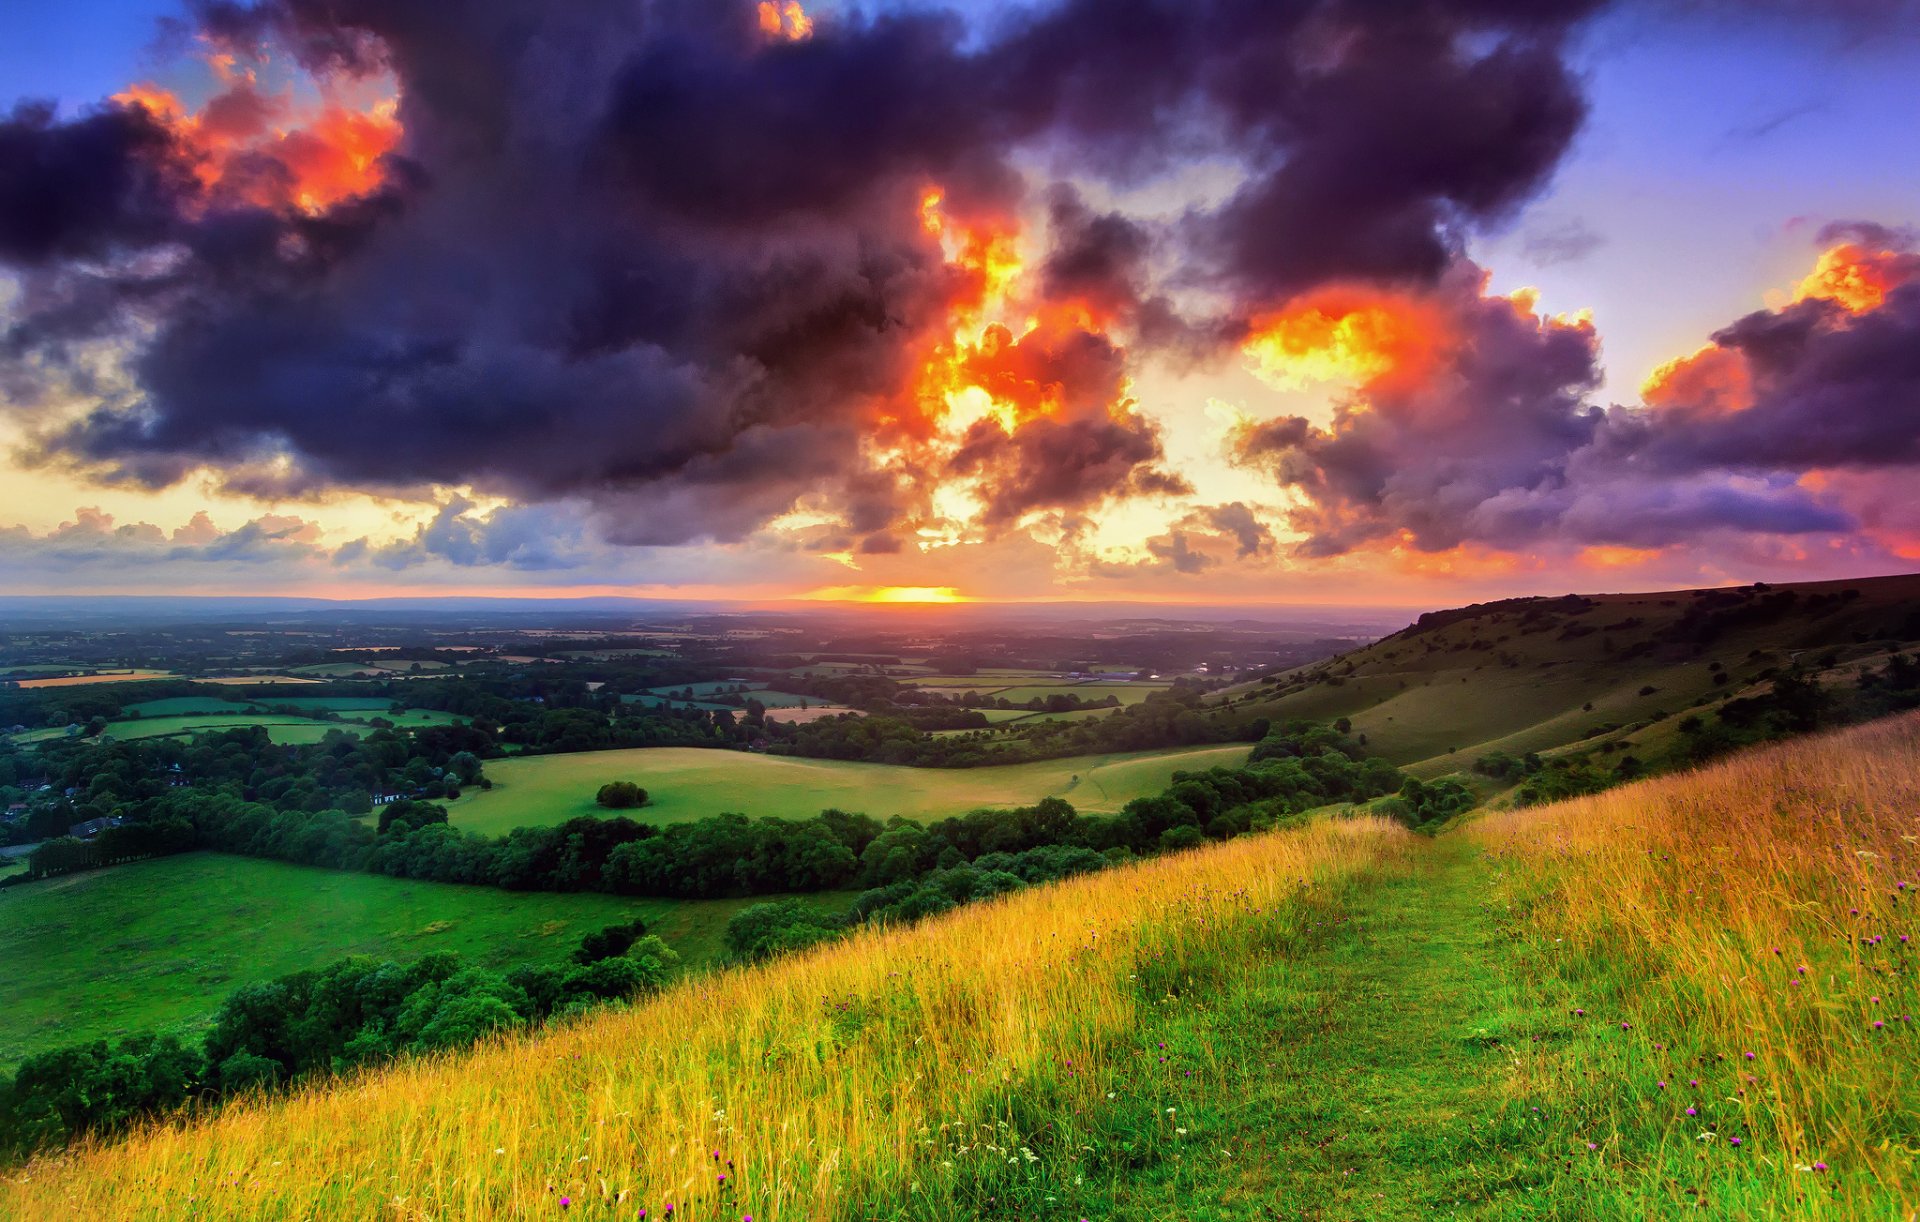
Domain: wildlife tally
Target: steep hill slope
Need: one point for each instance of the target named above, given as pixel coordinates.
(1607, 671)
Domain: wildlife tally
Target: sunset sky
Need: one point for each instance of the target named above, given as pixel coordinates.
(1405, 302)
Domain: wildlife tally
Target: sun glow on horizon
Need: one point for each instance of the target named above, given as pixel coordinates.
(888, 594)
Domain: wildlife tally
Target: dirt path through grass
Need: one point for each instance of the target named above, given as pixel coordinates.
(1354, 1076)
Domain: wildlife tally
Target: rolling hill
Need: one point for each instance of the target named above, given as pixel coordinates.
(1620, 1007)
(1606, 672)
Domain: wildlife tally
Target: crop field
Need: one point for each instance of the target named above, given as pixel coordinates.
(259, 681)
(157, 945)
(800, 717)
(117, 676)
(688, 783)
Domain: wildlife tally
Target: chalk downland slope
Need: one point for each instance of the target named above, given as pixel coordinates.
(1545, 674)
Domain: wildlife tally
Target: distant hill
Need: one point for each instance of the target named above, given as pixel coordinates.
(1612, 672)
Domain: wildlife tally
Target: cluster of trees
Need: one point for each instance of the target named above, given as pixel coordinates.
(621, 795)
(1172, 718)
(351, 1014)
(912, 871)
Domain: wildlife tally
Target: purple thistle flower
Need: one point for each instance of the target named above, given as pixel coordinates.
(1733, 1141)
(1819, 1166)
(566, 1202)
(1749, 1056)
(1693, 1111)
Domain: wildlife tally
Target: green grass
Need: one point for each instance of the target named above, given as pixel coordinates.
(168, 727)
(158, 945)
(688, 783)
(1435, 701)
(1348, 1074)
(336, 704)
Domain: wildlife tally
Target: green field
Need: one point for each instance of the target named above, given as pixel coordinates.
(689, 783)
(157, 945)
(278, 725)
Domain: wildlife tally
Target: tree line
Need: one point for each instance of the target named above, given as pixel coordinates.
(352, 1014)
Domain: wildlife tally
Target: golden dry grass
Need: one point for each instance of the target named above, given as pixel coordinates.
(817, 1085)
(1753, 926)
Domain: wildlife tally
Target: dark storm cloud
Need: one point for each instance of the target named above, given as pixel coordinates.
(639, 255)
(84, 189)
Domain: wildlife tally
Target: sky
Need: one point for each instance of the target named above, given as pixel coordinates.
(1407, 303)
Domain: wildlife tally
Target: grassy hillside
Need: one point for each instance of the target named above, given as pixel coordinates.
(158, 945)
(688, 783)
(1613, 671)
(889, 1075)
(1696, 993)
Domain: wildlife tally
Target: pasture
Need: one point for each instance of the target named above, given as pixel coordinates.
(157, 945)
(687, 783)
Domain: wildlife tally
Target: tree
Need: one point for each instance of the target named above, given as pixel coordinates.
(621, 795)
(609, 943)
(466, 766)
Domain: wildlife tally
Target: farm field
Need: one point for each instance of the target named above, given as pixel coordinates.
(687, 783)
(800, 717)
(117, 676)
(279, 726)
(209, 715)
(157, 945)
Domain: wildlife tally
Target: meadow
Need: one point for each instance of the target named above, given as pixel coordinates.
(925, 1073)
(1728, 962)
(687, 783)
(158, 945)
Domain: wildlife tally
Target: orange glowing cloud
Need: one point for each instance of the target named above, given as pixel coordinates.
(1714, 381)
(1855, 276)
(785, 20)
(1351, 337)
(265, 150)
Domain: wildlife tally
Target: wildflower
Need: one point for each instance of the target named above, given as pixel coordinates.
(1733, 1141)
(1749, 1056)
(1692, 1111)
(566, 1202)
(1593, 1145)
(1819, 1166)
